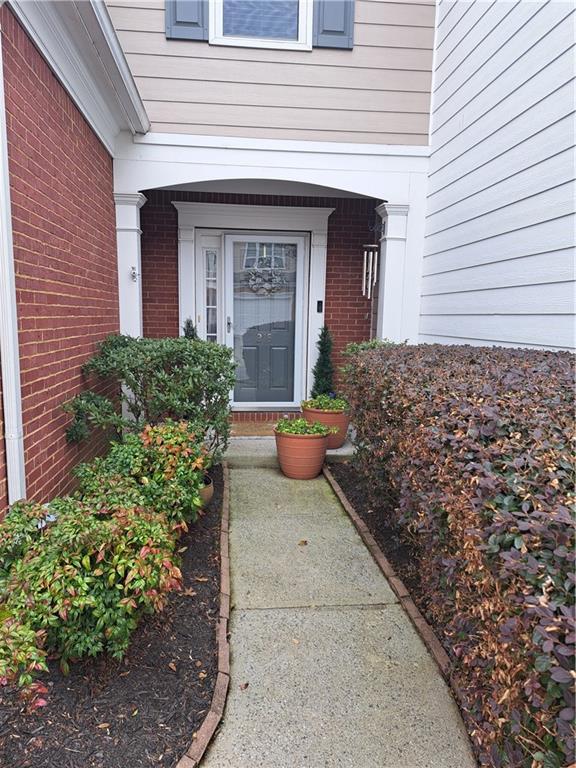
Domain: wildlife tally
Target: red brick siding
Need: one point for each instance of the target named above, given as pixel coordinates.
(347, 312)
(242, 417)
(159, 245)
(65, 253)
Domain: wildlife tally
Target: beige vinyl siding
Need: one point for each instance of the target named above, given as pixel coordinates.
(499, 257)
(379, 92)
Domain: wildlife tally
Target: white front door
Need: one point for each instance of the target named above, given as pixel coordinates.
(250, 296)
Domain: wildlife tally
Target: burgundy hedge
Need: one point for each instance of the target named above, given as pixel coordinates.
(477, 444)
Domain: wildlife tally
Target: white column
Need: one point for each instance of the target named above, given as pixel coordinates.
(393, 256)
(186, 276)
(128, 234)
(317, 293)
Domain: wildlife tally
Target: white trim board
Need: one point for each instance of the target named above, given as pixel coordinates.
(221, 217)
(79, 44)
(158, 138)
(143, 163)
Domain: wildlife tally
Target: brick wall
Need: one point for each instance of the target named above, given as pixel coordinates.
(65, 253)
(347, 312)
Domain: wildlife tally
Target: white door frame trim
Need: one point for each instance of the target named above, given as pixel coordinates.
(192, 216)
(301, 322)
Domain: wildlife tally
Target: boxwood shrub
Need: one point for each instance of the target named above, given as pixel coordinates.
(157, 380)
(77, 574)
(477, 445)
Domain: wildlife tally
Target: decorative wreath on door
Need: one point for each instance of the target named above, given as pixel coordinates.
(265, 281)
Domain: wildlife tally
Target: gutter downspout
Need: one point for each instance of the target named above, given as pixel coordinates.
(9, 351)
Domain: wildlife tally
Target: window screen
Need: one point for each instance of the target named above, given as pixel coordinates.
(273, 19)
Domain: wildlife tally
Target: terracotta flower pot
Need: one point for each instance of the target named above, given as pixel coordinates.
(207, 491)
(301, 456)
(338, 419)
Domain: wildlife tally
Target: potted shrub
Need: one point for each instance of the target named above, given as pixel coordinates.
(206, 490)
(207, 487)
(301, 447)
(331, 411)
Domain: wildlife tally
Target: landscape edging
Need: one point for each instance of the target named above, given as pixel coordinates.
(420, 624)
(204, 734)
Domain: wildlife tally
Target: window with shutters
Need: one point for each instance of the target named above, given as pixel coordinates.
(288, 24)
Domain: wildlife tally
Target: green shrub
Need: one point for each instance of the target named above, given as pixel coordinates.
(159, 379)
(364, 346)
(77, 574)
(323, 370)
(477, 446)
(162, 468)
(189, 329)
(81, 587)
(21, 651)
(303, 427)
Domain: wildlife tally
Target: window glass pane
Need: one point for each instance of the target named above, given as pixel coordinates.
(211, 321)
(211, 294)
(211, 263)
(274, 19)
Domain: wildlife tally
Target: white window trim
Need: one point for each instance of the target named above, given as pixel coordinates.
(304, 43)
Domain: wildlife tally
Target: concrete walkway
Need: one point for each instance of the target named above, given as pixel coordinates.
(327, 670)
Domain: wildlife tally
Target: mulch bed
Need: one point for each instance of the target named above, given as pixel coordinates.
(379, 519)
(143, 710)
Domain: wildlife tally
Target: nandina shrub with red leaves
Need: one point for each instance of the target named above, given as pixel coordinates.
(478, 444)
(77, 574)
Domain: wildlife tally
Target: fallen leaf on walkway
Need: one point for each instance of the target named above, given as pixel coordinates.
(202, 675)
(134, 713)
(188, 592)
(198, 663)
(200, 578)
(243, 686)
(104, 725)
(172, 666)
(295, 641)
(302, 543)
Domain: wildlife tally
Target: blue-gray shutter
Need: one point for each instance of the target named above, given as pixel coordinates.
(187, 19)
(333, 24)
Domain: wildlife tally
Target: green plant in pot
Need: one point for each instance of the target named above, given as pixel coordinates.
(332, 411)
(301, 447)
(324, 406)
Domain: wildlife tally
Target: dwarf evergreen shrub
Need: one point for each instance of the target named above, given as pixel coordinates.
(323, 370)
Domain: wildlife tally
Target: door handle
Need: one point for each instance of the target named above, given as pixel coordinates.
(228, 324)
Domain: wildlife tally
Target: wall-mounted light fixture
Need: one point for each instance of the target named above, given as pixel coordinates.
(370, 269)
